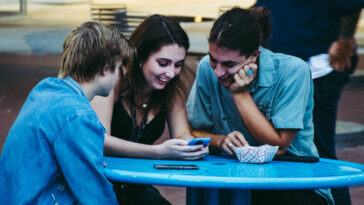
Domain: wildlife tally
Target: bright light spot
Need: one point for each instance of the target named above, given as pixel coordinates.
(198, 19)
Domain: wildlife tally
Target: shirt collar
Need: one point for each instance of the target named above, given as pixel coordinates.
(266, 70)
(74, 85)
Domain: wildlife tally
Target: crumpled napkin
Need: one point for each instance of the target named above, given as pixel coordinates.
(251, 154)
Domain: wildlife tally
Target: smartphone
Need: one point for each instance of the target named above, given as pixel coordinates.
(176, 166)
(198, 141)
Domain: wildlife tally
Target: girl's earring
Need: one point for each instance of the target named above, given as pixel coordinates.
(140, 65)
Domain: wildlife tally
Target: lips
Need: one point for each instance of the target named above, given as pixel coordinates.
(225, 81)
(162, 81)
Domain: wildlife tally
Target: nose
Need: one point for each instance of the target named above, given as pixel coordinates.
(219, 70)
(170, 72)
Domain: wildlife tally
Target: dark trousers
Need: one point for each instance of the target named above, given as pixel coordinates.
(138, 194)
(327, 91)
(286, 197)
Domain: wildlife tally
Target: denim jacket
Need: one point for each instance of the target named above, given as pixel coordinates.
(53, 153)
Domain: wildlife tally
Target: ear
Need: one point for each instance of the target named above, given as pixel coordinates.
(255, 55)
(123, 71)
(104, 69)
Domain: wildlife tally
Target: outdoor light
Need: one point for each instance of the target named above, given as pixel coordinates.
(198, 19)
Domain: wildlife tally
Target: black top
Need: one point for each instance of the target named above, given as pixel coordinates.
(121, 125)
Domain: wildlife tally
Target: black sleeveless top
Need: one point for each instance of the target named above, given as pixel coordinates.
(121, 125)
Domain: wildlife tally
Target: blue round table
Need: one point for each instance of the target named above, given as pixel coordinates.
(224, 172)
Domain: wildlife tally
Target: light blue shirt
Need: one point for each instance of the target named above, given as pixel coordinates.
(282, 91)
(53, 153)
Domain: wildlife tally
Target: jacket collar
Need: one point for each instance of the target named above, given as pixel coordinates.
(75, 86)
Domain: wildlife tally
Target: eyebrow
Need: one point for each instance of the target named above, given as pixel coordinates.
(164, 59)
(169, 60)
(223, 62)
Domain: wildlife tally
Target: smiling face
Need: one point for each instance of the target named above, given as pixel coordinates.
(163, 65)
(226, 63)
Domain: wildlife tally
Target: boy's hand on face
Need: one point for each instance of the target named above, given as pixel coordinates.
(243, 78)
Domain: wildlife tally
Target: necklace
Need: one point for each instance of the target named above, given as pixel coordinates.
(141, 106)
(137, 131)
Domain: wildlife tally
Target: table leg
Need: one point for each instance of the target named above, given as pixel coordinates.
(199, 196)
(192, 196)
(239, 197)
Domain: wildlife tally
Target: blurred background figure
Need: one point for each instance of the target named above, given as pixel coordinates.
(322, 34)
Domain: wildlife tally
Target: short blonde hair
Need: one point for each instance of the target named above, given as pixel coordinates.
(89, 48)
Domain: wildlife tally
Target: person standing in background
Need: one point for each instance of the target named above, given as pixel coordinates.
(322, 34)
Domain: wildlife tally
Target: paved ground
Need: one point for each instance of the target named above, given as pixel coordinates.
(30, 50)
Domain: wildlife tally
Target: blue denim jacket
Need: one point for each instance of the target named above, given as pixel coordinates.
(53, 153)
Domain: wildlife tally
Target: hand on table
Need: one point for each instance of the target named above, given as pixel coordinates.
(178, 149)
(233, 139)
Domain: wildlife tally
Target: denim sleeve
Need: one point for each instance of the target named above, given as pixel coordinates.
(78, 147)
(199, 102)
(293, 98)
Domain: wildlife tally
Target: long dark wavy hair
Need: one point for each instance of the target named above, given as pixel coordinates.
(150, 36)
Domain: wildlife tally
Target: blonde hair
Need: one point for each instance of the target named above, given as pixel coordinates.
(89, 48)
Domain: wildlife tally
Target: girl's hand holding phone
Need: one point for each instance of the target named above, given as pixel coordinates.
(200, 141)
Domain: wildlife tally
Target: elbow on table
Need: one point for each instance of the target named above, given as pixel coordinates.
(283, 147)
(285, 139)
(281, 150)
